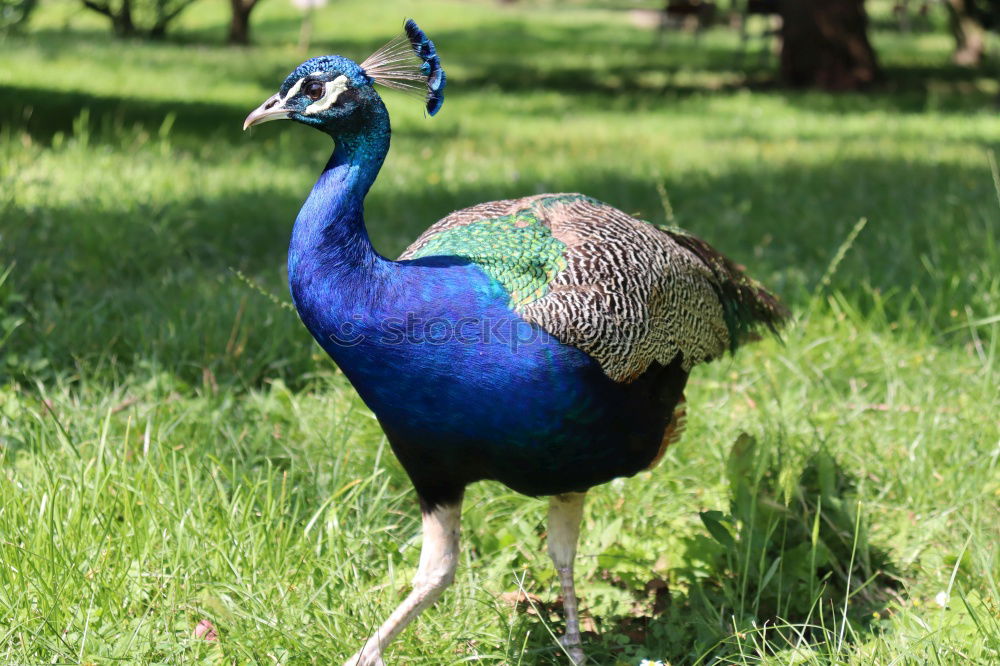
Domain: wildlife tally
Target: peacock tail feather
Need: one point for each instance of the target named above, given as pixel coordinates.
(746, 303)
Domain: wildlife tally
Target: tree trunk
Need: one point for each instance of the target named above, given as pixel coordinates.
(969, 40)
(239, 23)
(824, 44)
(121, 23)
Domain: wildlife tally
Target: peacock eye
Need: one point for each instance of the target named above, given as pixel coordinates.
(315, 90)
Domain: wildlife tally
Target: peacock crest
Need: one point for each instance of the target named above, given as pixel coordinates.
(406, 60)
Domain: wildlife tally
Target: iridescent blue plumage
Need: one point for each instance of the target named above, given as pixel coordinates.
(328, 63)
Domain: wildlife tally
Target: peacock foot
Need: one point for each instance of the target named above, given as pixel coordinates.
(573, 648)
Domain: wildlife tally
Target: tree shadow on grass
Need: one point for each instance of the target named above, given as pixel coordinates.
(128, 284)
(598, 66)
(43, 113)
(782, 569)
(594, 67)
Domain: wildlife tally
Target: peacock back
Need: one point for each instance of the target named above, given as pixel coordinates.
(620, 289)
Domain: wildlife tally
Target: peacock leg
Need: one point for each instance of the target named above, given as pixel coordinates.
(436, 571)
(565, 512)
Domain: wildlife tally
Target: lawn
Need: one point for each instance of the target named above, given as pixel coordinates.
(174, 448)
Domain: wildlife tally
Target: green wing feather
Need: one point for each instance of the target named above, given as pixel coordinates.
(517, 250)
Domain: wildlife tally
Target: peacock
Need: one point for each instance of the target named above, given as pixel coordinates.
(541, 342)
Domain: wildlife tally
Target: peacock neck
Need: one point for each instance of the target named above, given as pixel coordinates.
(329, 241)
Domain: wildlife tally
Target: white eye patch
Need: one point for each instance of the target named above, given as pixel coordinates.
(292, 91)
(333, 90)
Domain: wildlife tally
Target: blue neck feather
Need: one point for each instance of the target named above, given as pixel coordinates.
(329, 241)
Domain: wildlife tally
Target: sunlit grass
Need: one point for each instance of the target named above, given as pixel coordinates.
(174, 448)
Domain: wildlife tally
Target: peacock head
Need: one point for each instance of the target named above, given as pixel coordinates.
(333, 93)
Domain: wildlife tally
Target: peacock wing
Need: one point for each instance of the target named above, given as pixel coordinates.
(624, 291)
(511, 240)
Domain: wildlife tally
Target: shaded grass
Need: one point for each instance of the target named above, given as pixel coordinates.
(174, 447)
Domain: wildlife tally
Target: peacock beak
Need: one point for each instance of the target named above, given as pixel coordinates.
(271, 109)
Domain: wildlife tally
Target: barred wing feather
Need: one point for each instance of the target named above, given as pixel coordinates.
(622, 290)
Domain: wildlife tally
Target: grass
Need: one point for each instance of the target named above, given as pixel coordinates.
(174, 448)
